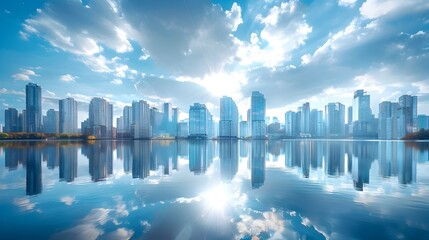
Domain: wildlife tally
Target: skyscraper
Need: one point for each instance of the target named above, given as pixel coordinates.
(290, 124)
(388, 120)
(167, 118)
(128, 120)
(258, 109)
(407, 115)
(11, 120)
(363, 120)
(51, 122)
(175, 122)
(228, 124)
(305, 119)
(141, 114)
(335, 120)
(100, 118)
(68, 116)
(33, 106)
(199, 121)
(316, 123)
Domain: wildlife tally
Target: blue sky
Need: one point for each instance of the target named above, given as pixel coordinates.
(196, 51)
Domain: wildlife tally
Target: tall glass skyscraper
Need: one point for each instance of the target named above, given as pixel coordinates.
(141, 115)
(388, 120)
(258, 110)
(335, 119)
(11, 120)
(51, 121)
(305, 118)
(407, 115)
(100, 118)
(228, 124)
(33, 106)
(290, 124)
(363, 120)
(199, 126)
(68, 116)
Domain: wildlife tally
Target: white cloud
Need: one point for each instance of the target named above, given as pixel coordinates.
(419, 33)
(234, 16)
(24, 75)
(347, 3)
(50, 94)
(116, 81)
(80, 30)
(379, 8)
(67, 200)
(68, 78)
(285, 29)
(145, 55)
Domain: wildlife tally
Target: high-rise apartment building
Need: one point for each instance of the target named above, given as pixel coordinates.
(335, 120)
(228, 123)
(68, 116)
(258, 110)
(33, 106)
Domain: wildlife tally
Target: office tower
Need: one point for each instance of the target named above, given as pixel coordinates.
(290, 124)
(167, 118)
(156, 120)
(199, 121)
(423, 122)
(258, 109)
(363, 120)
(68, 116)
(174, 123)
(100, 118)
(349, 126)
(128, 120)
(244, 129)
(22, 124)
(11, 120)
(33, 106)
(228, 123)
(316, 123)
(141, 115)
(183, 129)
(210, 126)
(51, 121)
(407, 115)
(388, 120)
(120, 126)
(68, 163)
(335, 120)
(305, 119)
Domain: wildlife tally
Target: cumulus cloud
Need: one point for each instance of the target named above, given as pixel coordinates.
(347, 3)
(68, 78)
(379, 8)
(193, 39)
(284, 30)
(24, 75)
(116, 81)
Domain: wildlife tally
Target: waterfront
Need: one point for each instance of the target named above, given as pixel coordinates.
(293, 189)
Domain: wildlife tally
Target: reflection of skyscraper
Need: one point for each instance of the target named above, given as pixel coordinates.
(257, 163)
(244, 149)
(51, 155)
(141, 159)
(335, 153)
(34, 171)
(198, 156)
(68, 163)
(305, 147)
(124, 153)
(258, 108)
(228, 154)
(361, 163)
(33, 106)
(406, 164)
(100, 156)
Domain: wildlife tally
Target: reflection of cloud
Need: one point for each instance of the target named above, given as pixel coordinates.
(24, 203)
(271, 222)
(83, 231)
(187, 200)
(67, 200)
(146, 225)
(120, 233)
(97, 215)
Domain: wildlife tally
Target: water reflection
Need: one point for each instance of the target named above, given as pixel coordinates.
(139, 158)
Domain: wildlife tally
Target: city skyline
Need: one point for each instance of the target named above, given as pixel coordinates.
(279, 48)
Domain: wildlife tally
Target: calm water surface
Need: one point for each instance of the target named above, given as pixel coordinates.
(214, 190)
